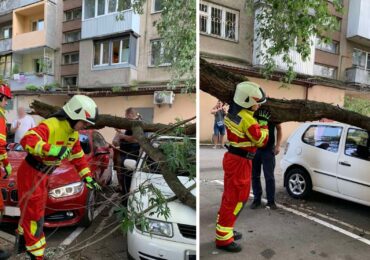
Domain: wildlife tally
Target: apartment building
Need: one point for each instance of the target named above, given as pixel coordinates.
(332, 71)
(99, 47)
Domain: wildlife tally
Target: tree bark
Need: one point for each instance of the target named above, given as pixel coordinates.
(138, 128)
(220, 83)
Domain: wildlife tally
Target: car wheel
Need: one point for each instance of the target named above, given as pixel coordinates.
(298, 183)
(89, 210)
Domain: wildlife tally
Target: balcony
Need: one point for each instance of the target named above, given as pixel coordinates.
(358, 76)
(108, 24)
(20, 82)
(5, 45)
(358, 26)
(7, 6)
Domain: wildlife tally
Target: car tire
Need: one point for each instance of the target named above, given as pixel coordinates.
(89, 211)
(298, 183)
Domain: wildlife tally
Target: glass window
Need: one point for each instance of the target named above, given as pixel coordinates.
(72, 36)
(216, 17)
(72, 14)
(97, 53)
(324, 71)
(358, 58)
(230, 25)
(105, 49)
(358, 144)
(70, 58)
(89, 9)
(68, 15)
(157, 5)
(74, 58)
(38, 25)
(112, 6)
(101, 7)
(157, 54)
(5, 33)
(329, 47)
(124, 5)
(323, 137)
(115, 51)
(69, 81)
(5, 65)
(125, 50)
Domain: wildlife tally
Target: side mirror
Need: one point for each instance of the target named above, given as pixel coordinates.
(101, 150)
(130, 164)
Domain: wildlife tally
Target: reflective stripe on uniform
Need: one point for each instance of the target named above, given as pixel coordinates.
(84, 171)
(242, 144)
(223, 229)
(2, 137)
(33, 227)
(20, 230)
(234, 128)
(3, 156)
(228, 230)
(238, 207)
(37, 245)
(39, 252)
(76, 155)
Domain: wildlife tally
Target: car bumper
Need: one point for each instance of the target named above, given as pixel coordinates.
(141, 246)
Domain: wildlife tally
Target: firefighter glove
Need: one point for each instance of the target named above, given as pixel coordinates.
(92, 184)
(8, 171)
(263, 116)
(61, 152)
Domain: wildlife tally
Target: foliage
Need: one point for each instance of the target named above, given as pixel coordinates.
(31, 87)
(51, 86)
(358, 105)
(15, 69)
(116, 89)
(177, 29)
(291, 25)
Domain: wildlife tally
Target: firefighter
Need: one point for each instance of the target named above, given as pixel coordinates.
(5, 94)
(245, 134)
(47, 144)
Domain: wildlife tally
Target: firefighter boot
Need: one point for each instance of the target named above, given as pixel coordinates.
(20, 244)
(237, 235)
(232, 247)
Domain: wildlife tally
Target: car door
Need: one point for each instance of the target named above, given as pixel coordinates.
(354, 165)
(320, 153)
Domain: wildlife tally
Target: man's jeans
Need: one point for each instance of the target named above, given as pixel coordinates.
(265, 158)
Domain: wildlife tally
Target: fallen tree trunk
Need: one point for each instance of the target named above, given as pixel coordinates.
(221, 84)
(138, 128)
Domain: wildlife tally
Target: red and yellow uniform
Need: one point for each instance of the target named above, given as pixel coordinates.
(32, 181)
(245, 135)
(3, 154)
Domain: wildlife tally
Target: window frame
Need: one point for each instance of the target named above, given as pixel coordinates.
(37, 21)
(106, 10)
(327, 126)
(367, 58)
(153, 11)
(224, 11)
(328, 67)
(320, 45)
(73, 14)
(110, 52)
(2, 31)
(345, 144)
(69, 32)
(69, 55)
(64, 77)
(6, 58)
(165, 64)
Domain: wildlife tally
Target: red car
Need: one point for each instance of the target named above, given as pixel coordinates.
(69, 201)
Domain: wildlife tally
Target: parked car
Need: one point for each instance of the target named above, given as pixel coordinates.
(171, 238)
(331, 158)
(69, 201)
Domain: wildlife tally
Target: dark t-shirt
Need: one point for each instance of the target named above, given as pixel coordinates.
(131, 148)
(219, 116)
(271, 142)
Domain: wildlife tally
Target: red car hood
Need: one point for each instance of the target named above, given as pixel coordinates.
(63, 175)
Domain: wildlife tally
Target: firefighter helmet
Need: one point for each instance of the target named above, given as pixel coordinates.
(81, 107)
(248, 94)
(5, 91)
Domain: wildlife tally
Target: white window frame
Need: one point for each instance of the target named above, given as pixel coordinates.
(154, 11)
(96, 10)
(65, 36)
(73, 14)
(110, 52)
(208, 14)
(320, 45)
(326, 66)
(166, 64)
(37, 25)
(70, 58)
(367, 54)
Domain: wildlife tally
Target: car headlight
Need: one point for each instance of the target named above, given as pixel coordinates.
(68, 190)
(159, 228)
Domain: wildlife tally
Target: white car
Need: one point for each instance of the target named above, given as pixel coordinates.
(331, 158)
(171, 238)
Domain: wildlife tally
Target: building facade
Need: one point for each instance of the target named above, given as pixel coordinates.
(334, 70)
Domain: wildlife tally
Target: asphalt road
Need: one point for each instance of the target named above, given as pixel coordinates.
(322, 227)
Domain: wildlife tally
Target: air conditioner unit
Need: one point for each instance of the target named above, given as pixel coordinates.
(163, 97)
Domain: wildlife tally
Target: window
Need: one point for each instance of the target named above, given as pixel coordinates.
(324, 71)
(72, 14)
(218, 21)
(5, 32)
(361, 59)
(43, 65)
(94, 8)
(5, 65)
(157, 5)
(70, 58)
(357, 144)
(114, 51)
(323, 137)
(157, 56)
(70, 81)
(72, 36)
(38, 25)
(331, 47)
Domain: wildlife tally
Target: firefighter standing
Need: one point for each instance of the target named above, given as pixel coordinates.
(53, 140)
(245, 134)
(5, 94)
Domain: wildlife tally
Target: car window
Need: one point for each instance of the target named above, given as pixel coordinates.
(323, 137)
(98, 140)
(85, 144)
(358, 144)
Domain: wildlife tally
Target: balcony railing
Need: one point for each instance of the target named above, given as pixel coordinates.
(5, 45)
(108, 24)
(358, 76)
(29, 40)
(20, 82)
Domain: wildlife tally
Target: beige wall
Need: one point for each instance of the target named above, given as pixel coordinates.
(272, 88)
(183, 107)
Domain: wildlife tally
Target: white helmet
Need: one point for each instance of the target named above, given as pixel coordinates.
(83, 108)
(248, 94)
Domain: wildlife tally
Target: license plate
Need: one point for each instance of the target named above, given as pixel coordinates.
(12, 211)
(190, 255)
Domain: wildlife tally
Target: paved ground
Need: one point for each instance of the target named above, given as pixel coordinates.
(311, 232)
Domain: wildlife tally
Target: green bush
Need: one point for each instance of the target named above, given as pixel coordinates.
(31, 87)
